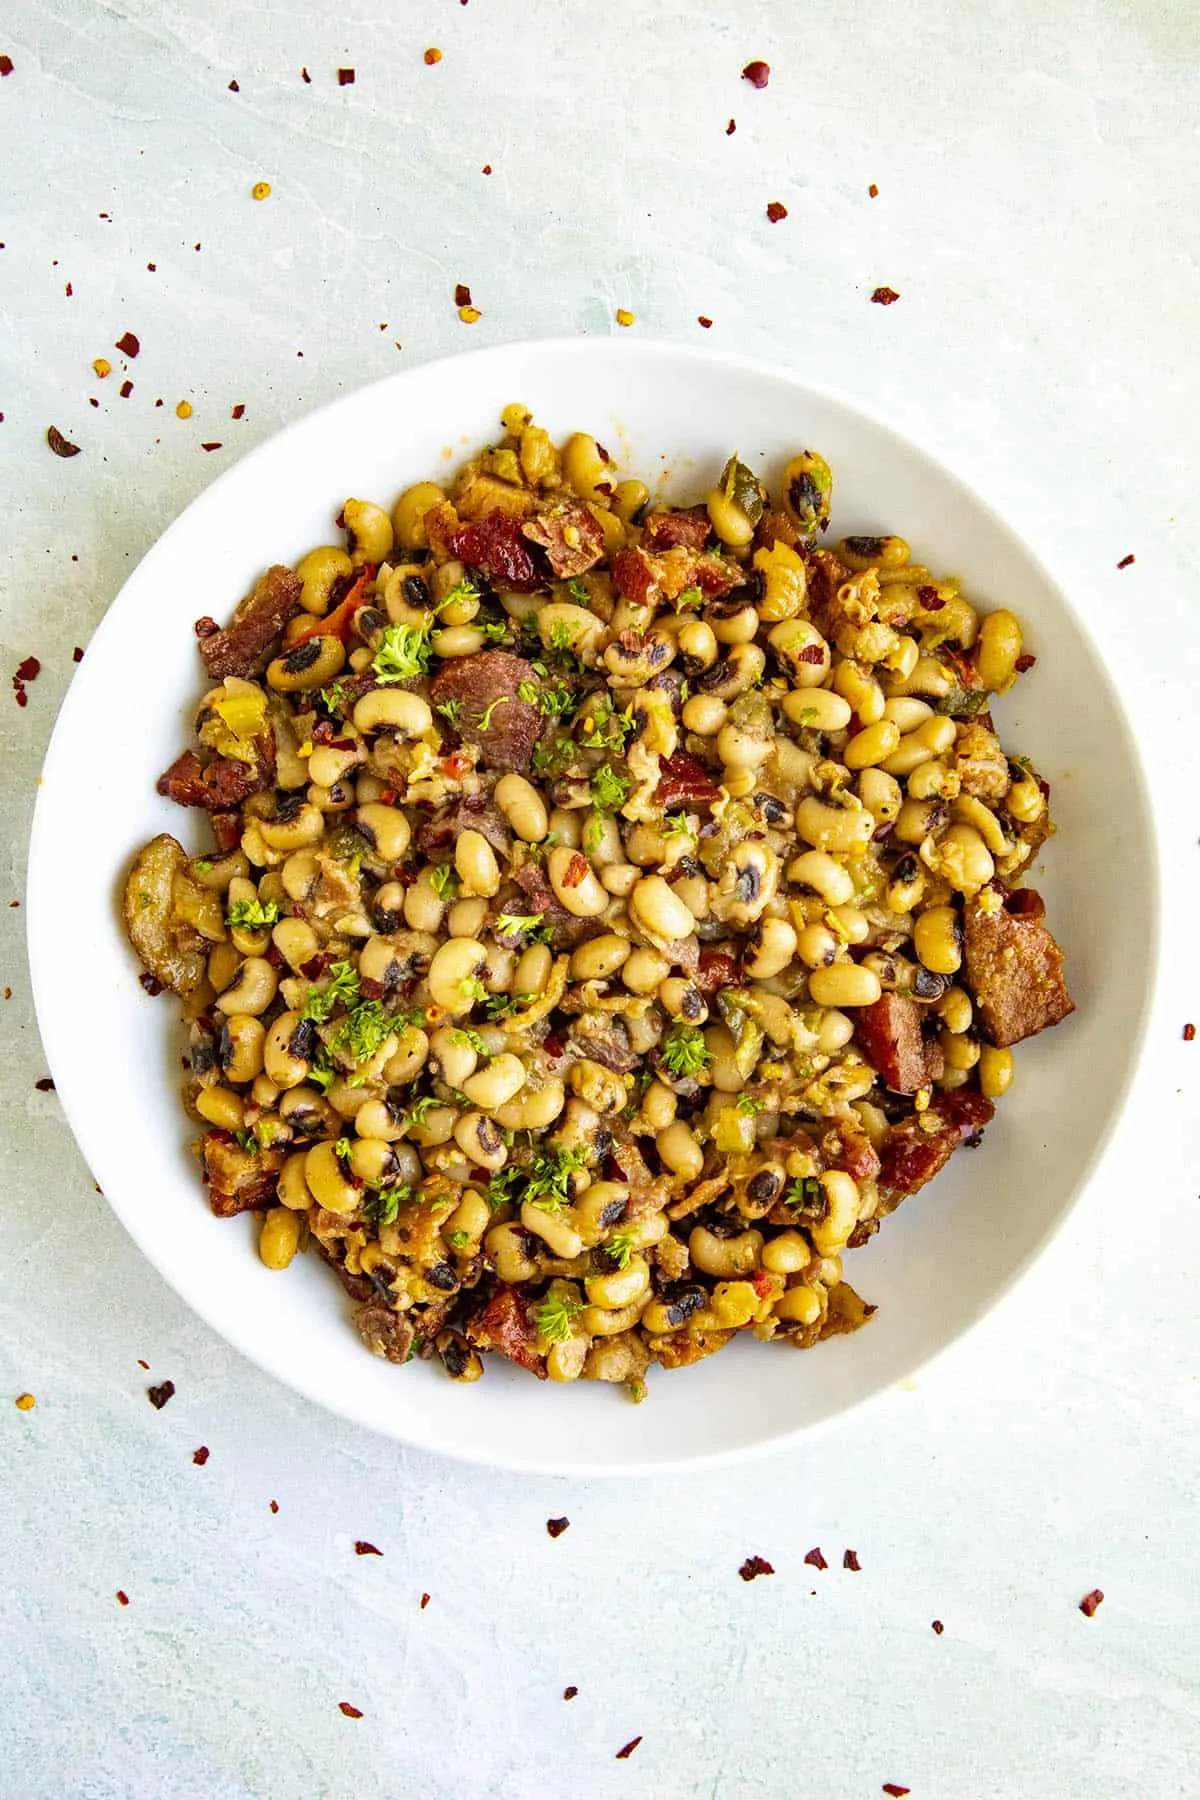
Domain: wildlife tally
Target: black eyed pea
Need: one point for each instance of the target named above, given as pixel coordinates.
(424, 909)
(556, 1231)
(264, 1092)
(1025, 801)
(632, 662)
(374, 1120)
(496, 1084)
(475, 860)
(888, 552)
(907, 712)
(787, 1253)
(696, 642)
(644, 971)
(599, 1207)
(704, 715)
(955, 1010)
(843, 984)
(645, 1027)
(458, 640)
(658, 912)
(337, 799)
(305, 828)
(472, 1215)
(881, 794)
(930, 677)
(959, 1051)
(601, 842)
(467, 918)
(608, 1322)
(659, 1106)
(599, 958)
(732, 624)
(961, 857)
(292, 1190)
(319, 573)
(803, 652)
(577, 1132)
(646, 846)
(850, 924)
(872, 745)
(453, 1055)
(285, 1065)
(279, 1238)
(840, 830)
(220, 1106)
(620, 879)
(731, 524)
(217, 872)
(747, 884)
(619, 1288)
(574, 882)
(481, 1139)
(829, 1235)
(972, 811)
(224, 960)
(726, 1257)
(328, 1183)
(861, 690)
(523, 807)
(817, 946)
(817, 709)
(534, 1108)
(408, 1058)
(735, 674)
(369, 531)
(533, 970)
(310, 664)
(727, 1073)
(583, 466)
(834, 1031)
(408, 514)
(600, 1088)
(371, 1161)
(628, 499)
(573, 628)
(250, 943)
(907, 886)
(454, 974)
(693, 891)
(566, 1361)
(377, 961)
(386, 829)
(395, 710)
(253, 991)
(995, 1071)
(740, 749)
(679, 1150)
(916, 819)
(434, 1128)
(299, 875)
(807, 487)
(682, 999)
(567, 826)
(937, 939)
(507, 1249)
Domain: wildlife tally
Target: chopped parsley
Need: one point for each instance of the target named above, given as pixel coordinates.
(805, 1196)
(493, 630)
(684, 1051)
(676, 825)
(248, 1142)
(472, 989)
(691, 596)
(501, 1187)
(404, 651)
(462, 590)
(510, 924)
(553, 701)
(342, 1149)
(459, 1240)
(343, 985)
(604, 729)
(468, 1040)
(485, 718)
(334, 698)
(383, 1205)
(443, 880)
(561, 635)
(322, 1073)
(419, 1111)
(450, 709)
(609, 790)
(579, 591)
(548, 1177)
(553, 1317)
(502, 1006)
(203, 867)
(365, 1030)
(252, 915)
(619, 1249)
(748, 1105)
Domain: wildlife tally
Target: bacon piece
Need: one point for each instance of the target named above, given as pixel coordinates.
(919, 1146)
(475, 812)
(980, 763)
(714, 577)
(242, 648)
(826, 573)
(775, 527)
(238, 1181)
(477, 683)
(684, 780)
(892, 1041)
(632, 576)
(571, 538)
(846, 1146)
(664, 529)
(223, 784)
(385, 1333)
(1013, 968)
(566, 930)
(716, 969)
(496, 545)
(226, 830)
(506, 1324)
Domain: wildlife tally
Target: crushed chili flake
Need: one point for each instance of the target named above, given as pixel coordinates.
(128, 344)
(776, 211)
(238, 411)
(153, 268)
(569, 1693)
(433, 56)
(234, 88)
(462, 294)
(103, 367)
(122, 1597)
(1125, 561)
(894, 1788)
(205, 627)
(351, 1712)
(68, 290)
(151, 983)
(201, 1456)
(556, 1527)
(486, 169)
(260, 191)
(29, 670)
(701, 320)
(6, 65)
(184, 410)
(126, 389)
(850, 1561)
(60, 445)
(25, 1402)
(755, 1565)
(305, 77)
(624, 316)
(274, 1506)
(8, 993)
(424, 1601)
(1090, 1602)
(210, 446)
(884, 296)
(142, 1364)
(1024, 663)
(731, 128)
(938, 1627)
(627, 1750)
(362, 1548)
(158, 1396)
(45, 1085)
(873, 191)
(345, 77)
(1189, 1034)
(469, 315)
(757, 74)
(815, 1560)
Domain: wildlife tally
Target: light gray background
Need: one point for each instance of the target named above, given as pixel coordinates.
(1038, 212)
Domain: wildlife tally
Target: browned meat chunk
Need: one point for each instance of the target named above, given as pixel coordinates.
(506, 1324)
(665, 529)
(892, 1042)
(603, 1038)
(682, 1348)
(491, 714)
(496, 545)
(1013, 968)
(632, 576)
(237, 1180)
(384, 1332)
(571, 538)
(476, 812)
(775, 528)
(825, 576)
(566, 930)
(848, 1147)
(980, 763)
(243, 647)
(223, 784)
(919, 1146)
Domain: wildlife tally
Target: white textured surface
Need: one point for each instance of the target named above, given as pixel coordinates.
(1040, 190)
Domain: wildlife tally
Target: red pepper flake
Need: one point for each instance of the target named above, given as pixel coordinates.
(577, 870)
(29, 670)
(432, 56)
(142, 1364)
(69, 291)
(556, 1527)
(153, 268)
(731, 128)
(158, 1396)
(60, 445)
(274, 1506)
(345, 77)
(362, 1548)
(938, 1627)
(627, 1750)
(873, 191)
(1189, 1034)
(569, 1693)
(486, 169)
(205, 627)
(757, 74)
(45, 1085)
(6, 65)
(755, 1565)
(815, 1560)
(894, 1788)
(850, 1561)
(424, 1601)
(351, 1712)
(811, 653)
(884, 296)
(1126, 560)
(125, 389)
(210, 446)
(201, 1456)
(1090, 1602)
(929, 598)
(128, 344)
(234, 88)
(151, 983)
(8, 993)
(1024, 663)
(776, 211)
(238, 411)
(122, 1597)
(77, 654)
(706, 323)
(13, 903)
(305, 77)
(462, 295)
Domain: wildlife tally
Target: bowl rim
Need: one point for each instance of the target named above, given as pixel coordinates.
(195, 1294)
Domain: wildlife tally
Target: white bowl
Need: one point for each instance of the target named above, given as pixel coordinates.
(949, 1253)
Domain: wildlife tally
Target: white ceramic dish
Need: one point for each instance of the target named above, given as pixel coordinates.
(938, 1265)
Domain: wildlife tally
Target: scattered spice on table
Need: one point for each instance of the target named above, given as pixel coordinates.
(894, 1788)
(1024, 663)
(305, 77)
(884, 296)
(210, 446)
(25, 1402)
(126, 389)
(153, 268)
(1189, 1034)
(757, 74)
(29, 670)
(8, 993)
(556, 1527)
(569, 1693)
(351, 1712)
(60, 445)
(103, 367)
(470, 315)
(462, 294)
(486, 169)
(706, 323)
(45, 1085)
(362, 1548)
(128, 344)
(850, 1561)
(201, 1456)
(814, 1559)
(624, 316)
(873, 191)
(776, 211)
(184, 410)
(158, 1396)
(151, 984)
(234, 88)
(433, 56)
(755, 1565)
(938, 1627)
(731, 128)
(627, 1750)
(274, 1506)
(122, 1597)
(142, 1363)
(239, 411)
(260, 191)
(1090, 1602)
(424, 1601)
(1126, 560)
(345, 77)
(6, 65)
